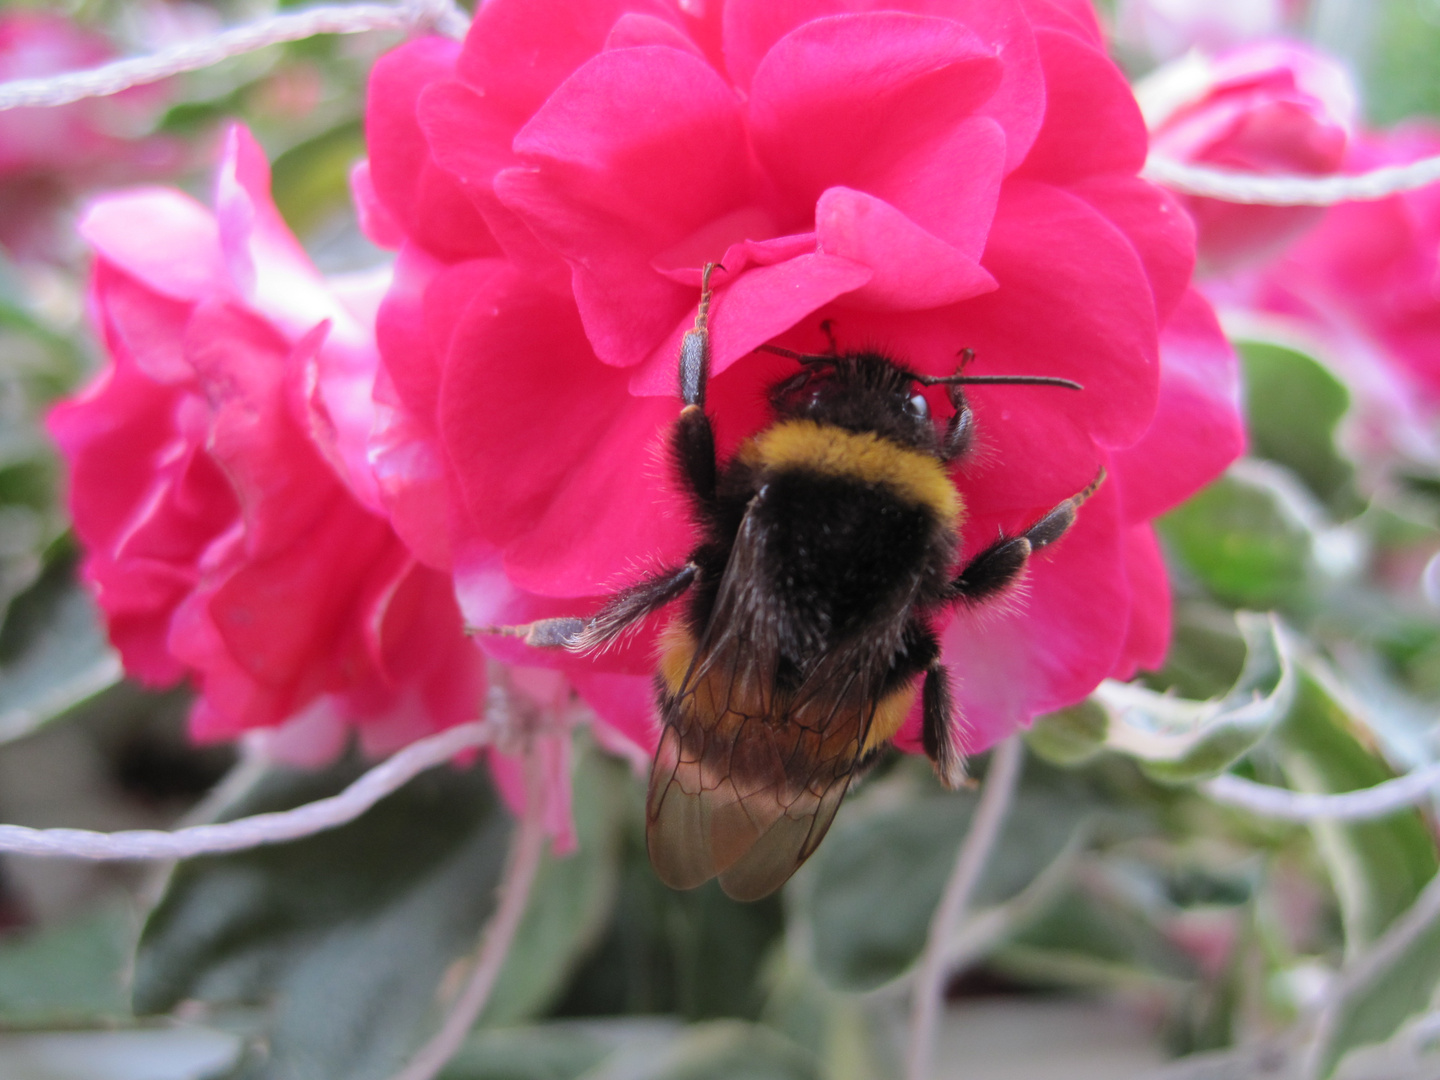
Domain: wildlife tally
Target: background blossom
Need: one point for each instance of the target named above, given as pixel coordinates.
(48, 155)
(1359, 291)
(215, 487)
(1272, 108)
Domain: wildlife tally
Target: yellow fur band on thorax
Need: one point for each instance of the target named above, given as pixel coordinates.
(832, 451)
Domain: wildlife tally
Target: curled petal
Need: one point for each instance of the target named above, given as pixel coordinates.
(1197, 429)
(912, 269)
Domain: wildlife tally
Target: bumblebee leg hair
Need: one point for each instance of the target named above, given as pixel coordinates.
(938, 734)
(1001, 563)
(960, 431)
(692, 444)
(622, 611)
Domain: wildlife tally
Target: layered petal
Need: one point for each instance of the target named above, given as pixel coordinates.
(609, 185)
(217, 466)
(535, 473)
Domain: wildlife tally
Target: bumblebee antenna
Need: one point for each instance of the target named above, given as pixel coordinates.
(998, 380)
(960, 378)
(804, 358)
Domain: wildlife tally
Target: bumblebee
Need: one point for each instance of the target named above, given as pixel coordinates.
(828, 544)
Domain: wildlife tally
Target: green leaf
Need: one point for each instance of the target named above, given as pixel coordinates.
(53, 656)
(1377, 868)
(1070, 736)
(1246, 543)
(68, 975)
(848, 1034)
(721, 1050)
(697, 953)
(1293, 406)
(1095, 942)
(311, 181)
(1206, 651)
(543, 1052)
(630, 1049)
(346, 936)
(907, 830)
(571, 901)
(1175, 740)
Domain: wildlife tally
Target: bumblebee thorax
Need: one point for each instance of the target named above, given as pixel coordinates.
(864, 457)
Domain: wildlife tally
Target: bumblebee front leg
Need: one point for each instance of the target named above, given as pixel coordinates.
(960, 431)
(693, 440)
(1001, 563)
(621, 611)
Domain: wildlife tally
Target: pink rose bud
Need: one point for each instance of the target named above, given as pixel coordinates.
(1269, 108)
(1360, 292)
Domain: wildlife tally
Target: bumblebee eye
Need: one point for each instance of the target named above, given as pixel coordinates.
(918, 407)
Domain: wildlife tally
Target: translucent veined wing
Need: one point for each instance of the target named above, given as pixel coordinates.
(748, 777)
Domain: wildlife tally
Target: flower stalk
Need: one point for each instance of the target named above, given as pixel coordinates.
(929, 992)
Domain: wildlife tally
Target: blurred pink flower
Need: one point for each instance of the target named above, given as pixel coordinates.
(1273, 107)
(231, 531)
(47, 155)
(1362, 292)
(936, 176)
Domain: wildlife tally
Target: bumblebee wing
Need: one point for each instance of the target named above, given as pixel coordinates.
(746, 780)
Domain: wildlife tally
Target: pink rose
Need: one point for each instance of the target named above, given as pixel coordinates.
(48, 153)
(218, 484)
(955, 174)
(1359, 292)
(1271, 108)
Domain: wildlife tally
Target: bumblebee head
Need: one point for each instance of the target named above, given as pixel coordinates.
(862, 392)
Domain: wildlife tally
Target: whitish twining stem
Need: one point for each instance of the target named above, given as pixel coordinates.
(929, 991)
(249, 832)
(1365, 804)
(413, 15)
(526, 851)
(1252, 188)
